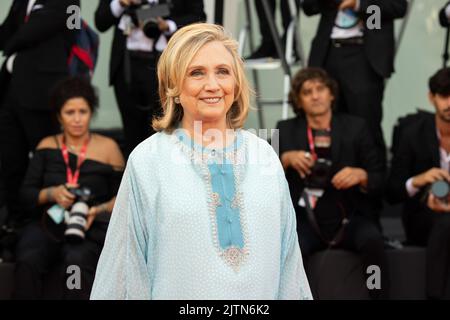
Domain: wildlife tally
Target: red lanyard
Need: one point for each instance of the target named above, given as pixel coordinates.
(312, 148)
(72, 178)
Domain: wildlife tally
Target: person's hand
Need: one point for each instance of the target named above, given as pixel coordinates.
(301, 161)
(349, 177)
(430, 176)
(437, 205)
(62, 196)
(347, 4)
(127, 3)
(163, 25)
(92, 214)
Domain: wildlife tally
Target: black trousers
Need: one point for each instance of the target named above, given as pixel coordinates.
(138, 100)
(264, 26)
(20, 132)
(432, 230)
(39, 252)
(361, 89)
(361, 236)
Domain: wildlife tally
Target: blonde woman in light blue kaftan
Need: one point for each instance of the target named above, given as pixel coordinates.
(202, 212)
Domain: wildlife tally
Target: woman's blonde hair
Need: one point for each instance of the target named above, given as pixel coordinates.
(172, 69)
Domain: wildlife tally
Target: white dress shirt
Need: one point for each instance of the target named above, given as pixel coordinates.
(356, 31)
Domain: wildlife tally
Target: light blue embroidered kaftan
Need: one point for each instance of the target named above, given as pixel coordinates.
(196, 223)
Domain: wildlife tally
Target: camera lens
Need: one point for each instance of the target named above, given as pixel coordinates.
(440, 189)
(75, 230)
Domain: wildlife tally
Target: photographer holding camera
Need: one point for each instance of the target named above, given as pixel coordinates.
(335, 174)
(34, 40)
(69, 192)
(141, 31)
(357, 55)
(420, 176)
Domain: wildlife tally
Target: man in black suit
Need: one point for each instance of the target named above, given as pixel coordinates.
(35, 40)
(334, 174)
(134, 57)
(357, 54)
(422, 158)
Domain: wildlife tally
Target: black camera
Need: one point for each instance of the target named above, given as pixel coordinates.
(146, 15)
(76, 224)
(441, 190)
(320, 174)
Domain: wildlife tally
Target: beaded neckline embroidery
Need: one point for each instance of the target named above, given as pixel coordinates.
(233, 256)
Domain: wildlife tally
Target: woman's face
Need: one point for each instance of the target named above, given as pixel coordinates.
(209, 85)
(75, 117)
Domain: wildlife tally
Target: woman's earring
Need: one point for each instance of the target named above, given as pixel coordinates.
(176, 100)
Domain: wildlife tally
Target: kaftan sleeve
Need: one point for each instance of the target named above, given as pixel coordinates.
(294, 284)
(122, 271)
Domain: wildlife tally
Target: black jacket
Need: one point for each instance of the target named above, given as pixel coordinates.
(417, 152)
(42, 46)
(443, 17)
(378, 44)
(182, 13)
(351, 145)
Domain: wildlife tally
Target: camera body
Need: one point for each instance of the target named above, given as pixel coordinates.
(77, 220)
(146, 15)
(320, 174)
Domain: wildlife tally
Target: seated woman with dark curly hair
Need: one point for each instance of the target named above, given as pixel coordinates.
(69, 192)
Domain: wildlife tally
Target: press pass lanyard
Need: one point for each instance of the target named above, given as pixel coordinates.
(312, 148)
(72, 178)
(312, 199)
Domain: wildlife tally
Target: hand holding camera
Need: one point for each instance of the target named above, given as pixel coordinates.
(62, 196)
(148, 17)
(127, 3)
(162, 24)
(93, 212)
(301, 161)
(436, 204)
(438, 196)
(347, 4)
(430, 176)
(349, 177)
(439, 190)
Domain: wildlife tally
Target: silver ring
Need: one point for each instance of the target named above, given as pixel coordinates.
(308, 155)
